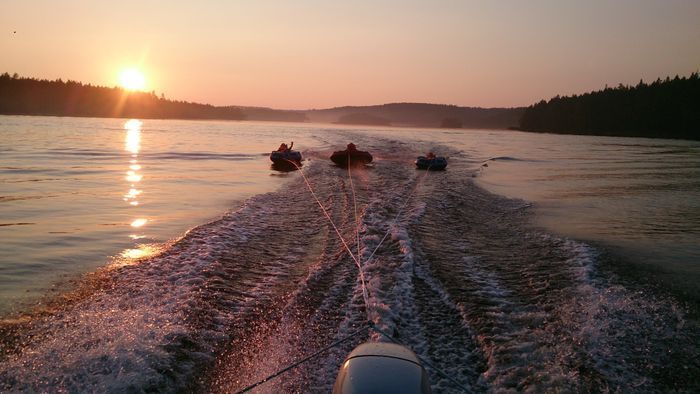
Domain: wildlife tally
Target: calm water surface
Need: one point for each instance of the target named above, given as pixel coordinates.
(78, 193)
(535, 262)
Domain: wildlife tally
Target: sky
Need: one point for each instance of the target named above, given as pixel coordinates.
(306, 54)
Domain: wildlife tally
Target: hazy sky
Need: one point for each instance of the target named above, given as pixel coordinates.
(316, 54)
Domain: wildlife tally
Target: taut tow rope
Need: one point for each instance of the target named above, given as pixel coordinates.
(396, 218)
(303, 360)
(370, 324)
(365, 296)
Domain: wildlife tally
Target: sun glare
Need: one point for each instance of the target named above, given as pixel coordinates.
(132, 79)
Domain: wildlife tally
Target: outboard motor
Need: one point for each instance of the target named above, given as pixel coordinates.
(384, 368)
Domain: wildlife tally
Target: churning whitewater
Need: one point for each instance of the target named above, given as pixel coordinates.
(463, 278)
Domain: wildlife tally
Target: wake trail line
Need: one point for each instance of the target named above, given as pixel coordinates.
(355, 259)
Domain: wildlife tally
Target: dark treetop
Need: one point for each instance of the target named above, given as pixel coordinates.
(28, 96)
(662, 109)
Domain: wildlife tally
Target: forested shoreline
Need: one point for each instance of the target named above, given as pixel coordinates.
(29, 96)
(662, 109)
(667, 108)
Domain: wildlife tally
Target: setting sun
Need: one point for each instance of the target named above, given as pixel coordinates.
(132, 79)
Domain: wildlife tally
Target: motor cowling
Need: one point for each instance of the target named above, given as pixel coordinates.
(381, 367)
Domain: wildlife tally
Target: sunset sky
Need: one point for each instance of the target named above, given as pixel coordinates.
(318, 54)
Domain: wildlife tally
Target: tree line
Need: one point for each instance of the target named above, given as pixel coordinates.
(29, 96)
(667, 108)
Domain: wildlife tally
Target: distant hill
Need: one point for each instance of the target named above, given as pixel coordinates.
(273, 115)
(421, 115)
(662, 109)
(361, 118)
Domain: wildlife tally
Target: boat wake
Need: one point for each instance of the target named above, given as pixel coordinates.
(462, 278)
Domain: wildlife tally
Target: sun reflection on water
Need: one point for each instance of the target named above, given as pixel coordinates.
(132, 193)
(133, 136)
(140, 252)
(133, 177)
(132, 255)
(132, 144)
(139, 222)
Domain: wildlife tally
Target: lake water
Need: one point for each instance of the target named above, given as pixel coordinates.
(80, 193)
(169, 255)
